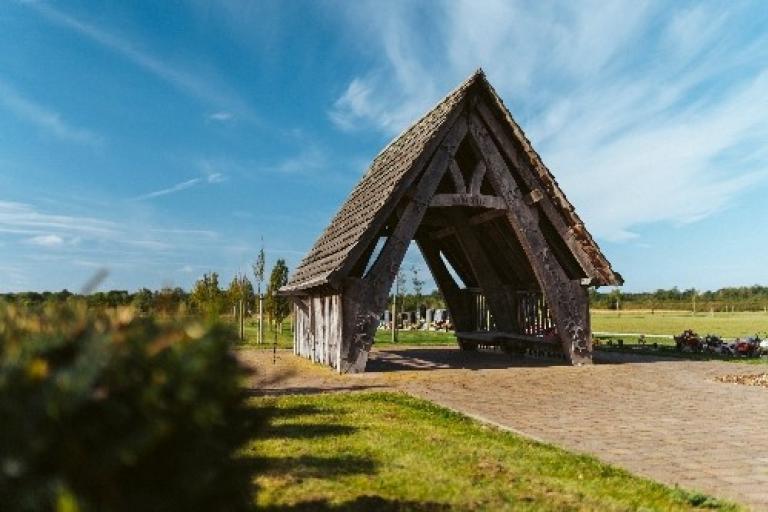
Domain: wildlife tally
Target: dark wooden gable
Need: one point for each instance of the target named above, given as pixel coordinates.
(465, 184)
(344, 247)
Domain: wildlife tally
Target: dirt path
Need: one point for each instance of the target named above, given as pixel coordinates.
(667, 420)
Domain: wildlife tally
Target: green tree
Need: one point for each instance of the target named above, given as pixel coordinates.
(258, 275)
(144, 300)
(258, 270)
(418, 286)
(240, 288)
(170, 300)
(206, 296)
(400, 291)
(277, 306)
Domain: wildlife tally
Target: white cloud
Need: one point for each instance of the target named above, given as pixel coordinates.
(42, 117)
(46, 240)
(211, 178)
(184, 185)
(221, 116)
(644, 114)
(308, 160)
(23, 218)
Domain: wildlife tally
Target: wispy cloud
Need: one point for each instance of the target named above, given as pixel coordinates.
(211, 178)
(46, 240)
(196, 86)
(644, 114)
(49, 120)
(216, 177)
(23, 218)
(221, 116)
(184, 185)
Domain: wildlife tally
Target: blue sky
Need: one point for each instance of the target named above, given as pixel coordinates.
(161, 140)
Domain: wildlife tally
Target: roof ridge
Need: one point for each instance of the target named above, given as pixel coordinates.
(478, 73)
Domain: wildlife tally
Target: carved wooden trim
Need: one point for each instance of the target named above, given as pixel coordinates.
(471, 200)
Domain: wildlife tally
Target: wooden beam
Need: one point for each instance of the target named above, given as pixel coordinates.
(474, 201)
(336, 278)
(458, 179)
(474, 220)
(365, 299)
(477, 178)
(505, 239)
(567, 299)
(454, 298)
(531, 178)
(442, 233)
(482, 218)
(455, 257)
(501, 307)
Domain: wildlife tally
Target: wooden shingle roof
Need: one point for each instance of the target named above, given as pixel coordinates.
(374, 197)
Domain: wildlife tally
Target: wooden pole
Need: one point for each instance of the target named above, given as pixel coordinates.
(261, 318)
(242, 320)
(394, 313)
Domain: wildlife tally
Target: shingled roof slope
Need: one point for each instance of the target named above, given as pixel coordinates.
(372, 193)
(388, 169)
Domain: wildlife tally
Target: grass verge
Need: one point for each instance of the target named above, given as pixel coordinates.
(389, 451)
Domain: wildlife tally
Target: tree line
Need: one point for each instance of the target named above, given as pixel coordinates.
(207, 296)
(741, 298)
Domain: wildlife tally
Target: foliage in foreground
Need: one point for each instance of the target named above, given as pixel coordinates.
(104, 410)
(387, 451)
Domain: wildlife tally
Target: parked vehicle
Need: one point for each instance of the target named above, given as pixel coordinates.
(688, 341)
(748, 347)
(714, 344)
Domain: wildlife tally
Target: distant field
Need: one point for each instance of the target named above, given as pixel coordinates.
(729, 325)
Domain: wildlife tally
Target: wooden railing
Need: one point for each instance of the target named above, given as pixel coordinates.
(533, 313)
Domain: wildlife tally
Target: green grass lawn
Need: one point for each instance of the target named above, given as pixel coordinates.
(728, 325)
(284, 338)
(384, 338)
(387, 451)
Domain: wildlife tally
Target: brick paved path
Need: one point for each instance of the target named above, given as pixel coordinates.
(667, 420)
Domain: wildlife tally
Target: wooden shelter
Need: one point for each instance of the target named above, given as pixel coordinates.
(466, 185)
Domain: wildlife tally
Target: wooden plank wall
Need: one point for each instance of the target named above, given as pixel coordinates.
(318, 330)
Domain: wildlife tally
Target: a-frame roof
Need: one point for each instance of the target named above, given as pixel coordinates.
(372, 201)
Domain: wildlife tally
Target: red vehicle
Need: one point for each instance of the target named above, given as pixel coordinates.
(748, 347)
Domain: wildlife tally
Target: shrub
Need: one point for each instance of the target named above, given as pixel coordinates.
(104, 410)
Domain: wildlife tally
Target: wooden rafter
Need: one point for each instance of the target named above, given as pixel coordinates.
(567, 299)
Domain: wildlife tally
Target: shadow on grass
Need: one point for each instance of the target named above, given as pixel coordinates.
(310, 466)
(363, 503)
(306, 422)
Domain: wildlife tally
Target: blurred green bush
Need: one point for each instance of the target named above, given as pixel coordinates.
(105, 410)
